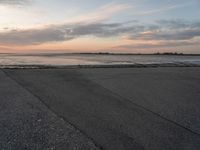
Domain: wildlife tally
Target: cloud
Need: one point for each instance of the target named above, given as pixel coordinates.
(32, 36)
(158, 10)
(169, 30)
(162, 44)
(14, 2)
(165, 30)
(167, 35)
(103, 12)
(163, 9)
(59, 33)
(174, 23)
(85, 25)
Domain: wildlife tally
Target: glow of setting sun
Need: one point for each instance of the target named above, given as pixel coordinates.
(91, 26)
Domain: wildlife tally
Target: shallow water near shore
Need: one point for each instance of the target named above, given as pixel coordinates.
(93, 59)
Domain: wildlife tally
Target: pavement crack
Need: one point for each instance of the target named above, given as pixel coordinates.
(57, 115)
(141, 107)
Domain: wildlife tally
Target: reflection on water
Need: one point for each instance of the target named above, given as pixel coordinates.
(92, 59)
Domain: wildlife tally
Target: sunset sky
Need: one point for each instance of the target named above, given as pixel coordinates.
(133, 26)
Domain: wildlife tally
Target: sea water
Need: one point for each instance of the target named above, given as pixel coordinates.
(93, 59)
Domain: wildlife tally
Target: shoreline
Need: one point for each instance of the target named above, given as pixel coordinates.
(137, 65)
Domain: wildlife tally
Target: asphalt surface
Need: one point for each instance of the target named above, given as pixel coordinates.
(27, 124)
(111, 109)
(173, 93)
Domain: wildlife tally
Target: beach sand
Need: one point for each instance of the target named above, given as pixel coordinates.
(100, 108)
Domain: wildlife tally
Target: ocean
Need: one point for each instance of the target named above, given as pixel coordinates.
(93, 59)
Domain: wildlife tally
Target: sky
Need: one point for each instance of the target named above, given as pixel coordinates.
(120, 26)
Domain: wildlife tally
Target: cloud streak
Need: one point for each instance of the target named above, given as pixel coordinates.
(163, 9)
(170, 32)
(87, 25)
(59, 33)
(103, 13)
(163, 44)
(14, 2)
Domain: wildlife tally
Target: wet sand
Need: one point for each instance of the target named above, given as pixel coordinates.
(100, 108)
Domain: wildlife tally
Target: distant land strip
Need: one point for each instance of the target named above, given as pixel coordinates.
(98, 53)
